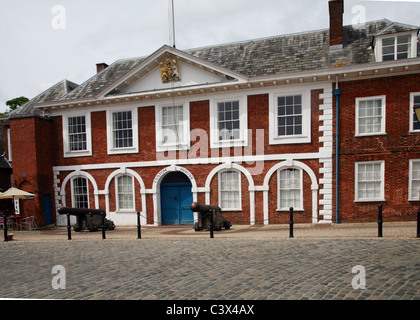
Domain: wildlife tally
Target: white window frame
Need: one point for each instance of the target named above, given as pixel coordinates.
(110, 137)
(411, 111)
(182, 145)
(410, 181)
(239, 208)
(117, 200)
(300, 207)
(356, 181)
(383, 116)
(305, 136)
(73, 202)
(66, 143)
(243, 122)
(378, 45)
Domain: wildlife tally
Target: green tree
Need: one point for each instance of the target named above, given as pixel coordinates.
(15, 103)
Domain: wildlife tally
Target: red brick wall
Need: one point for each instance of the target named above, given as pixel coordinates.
(395, 148)
(49, 146)
(33, 152)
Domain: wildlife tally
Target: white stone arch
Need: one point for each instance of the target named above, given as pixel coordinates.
(157, 215)
(251, 185)
(79, 173)
(292, 164)
(125, 171)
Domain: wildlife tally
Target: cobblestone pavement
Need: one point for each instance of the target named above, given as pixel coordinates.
(197, 267)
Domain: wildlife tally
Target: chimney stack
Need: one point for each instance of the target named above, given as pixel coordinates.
(336, 8)
(101, 66)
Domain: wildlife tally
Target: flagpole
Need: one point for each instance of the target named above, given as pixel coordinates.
(172, 20)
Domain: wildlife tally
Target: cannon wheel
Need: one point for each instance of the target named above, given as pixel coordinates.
(217, 226)
(226, 224)
(197, 226)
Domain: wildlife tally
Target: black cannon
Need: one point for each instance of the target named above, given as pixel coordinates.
(205, 215)
(87, 219)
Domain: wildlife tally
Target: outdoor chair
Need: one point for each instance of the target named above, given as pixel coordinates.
(29, 223)
(9, 223)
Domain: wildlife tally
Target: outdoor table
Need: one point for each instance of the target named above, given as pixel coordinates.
(16, 220)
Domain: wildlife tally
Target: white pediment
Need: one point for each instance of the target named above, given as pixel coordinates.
(189, 75)
(190, 72)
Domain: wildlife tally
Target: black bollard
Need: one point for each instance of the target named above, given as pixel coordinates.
(291, 223)
(103, 225)
(5, 227)
(211, 223)
(380, 222)
(68, 227)
(138, 225)
(418, 224)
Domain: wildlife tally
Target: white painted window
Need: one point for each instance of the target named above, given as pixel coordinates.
(396, 47)
(370, 116)
(369, 181)
(172, 127)
(77, 140)
(414, 122)
(290, 191)
(125, 193)
(228, 122)
(290, 117)
(414, 180)
(230, 190)
(122, 130)
(80, 192)
(77, 133)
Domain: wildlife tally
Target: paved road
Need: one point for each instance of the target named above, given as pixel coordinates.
(220, 268)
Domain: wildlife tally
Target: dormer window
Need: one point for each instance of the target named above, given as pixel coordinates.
(396, 47)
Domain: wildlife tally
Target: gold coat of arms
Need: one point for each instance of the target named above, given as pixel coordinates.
(170, 71)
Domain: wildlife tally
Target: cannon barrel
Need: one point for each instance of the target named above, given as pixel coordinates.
(203, 208)
(81, 212)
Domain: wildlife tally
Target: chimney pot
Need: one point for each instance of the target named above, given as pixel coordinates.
(336, 8)
(101, 66)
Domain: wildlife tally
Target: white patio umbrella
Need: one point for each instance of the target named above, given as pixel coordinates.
(15, 193)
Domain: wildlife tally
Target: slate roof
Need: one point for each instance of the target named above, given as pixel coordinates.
(307, 51)
(298, 52)
(55, 93)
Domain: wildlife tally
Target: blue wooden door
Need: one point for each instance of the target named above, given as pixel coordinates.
(47, 209)
(176, 199)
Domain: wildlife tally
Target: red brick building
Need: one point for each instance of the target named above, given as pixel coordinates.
(249, 126)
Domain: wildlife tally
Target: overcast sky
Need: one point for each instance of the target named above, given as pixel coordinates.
(38, 49)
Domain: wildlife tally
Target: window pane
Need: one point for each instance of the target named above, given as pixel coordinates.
(289, 116)
(289, 185)
(369, 181)
(172, 125)
(388, 41)
(80, 193)
(122, 129)
(228, 121)
(125, 192)
(230, 190)
(370, 116)
(77, 133)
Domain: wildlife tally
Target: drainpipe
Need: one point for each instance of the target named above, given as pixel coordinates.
(337, 93)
